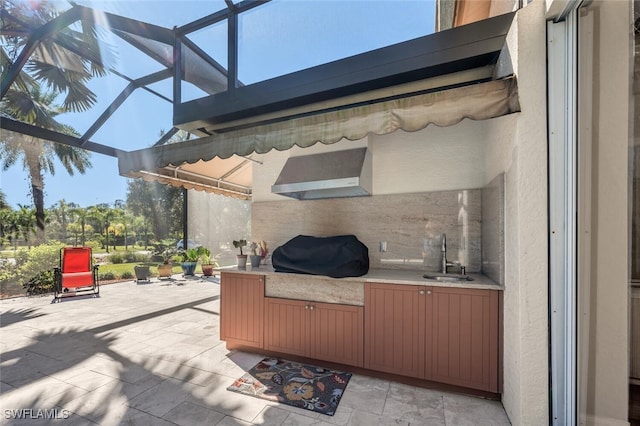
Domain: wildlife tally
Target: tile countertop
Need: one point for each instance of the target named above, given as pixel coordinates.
(386, 276)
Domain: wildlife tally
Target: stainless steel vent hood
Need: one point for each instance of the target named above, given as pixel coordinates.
(334, 174)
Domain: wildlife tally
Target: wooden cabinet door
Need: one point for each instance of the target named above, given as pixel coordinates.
(287, 327)
(395, 332)
(338, 333)
(241, 309)
(465, 338)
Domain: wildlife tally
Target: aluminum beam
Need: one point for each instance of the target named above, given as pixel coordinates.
(50, 135)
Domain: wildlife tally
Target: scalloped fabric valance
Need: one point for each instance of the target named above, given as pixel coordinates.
(479, 101)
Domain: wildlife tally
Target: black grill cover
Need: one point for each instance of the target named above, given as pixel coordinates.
(338, 257)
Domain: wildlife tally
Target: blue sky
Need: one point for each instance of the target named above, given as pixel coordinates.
(281, 37)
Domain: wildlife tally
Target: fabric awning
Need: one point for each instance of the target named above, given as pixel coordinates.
(478, 101)
(230, 176)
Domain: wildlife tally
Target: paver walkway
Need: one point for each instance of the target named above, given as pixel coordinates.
(150, 354)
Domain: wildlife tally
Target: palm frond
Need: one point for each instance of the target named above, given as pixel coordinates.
(31, 108)
(73, 158)
(23, 80)
(46, 161)
(54, 77)
(9, 148)
(79, 98)
(64, 61)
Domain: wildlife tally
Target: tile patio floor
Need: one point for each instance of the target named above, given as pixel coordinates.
(150, 354)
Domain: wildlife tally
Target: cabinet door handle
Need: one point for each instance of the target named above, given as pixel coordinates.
(428, 291)
(311, 307)
(306, 306)
(421, 292)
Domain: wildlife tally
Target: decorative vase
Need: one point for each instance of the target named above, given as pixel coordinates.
(188, 268)
(255, 260)
(207, 270)
(242, 261)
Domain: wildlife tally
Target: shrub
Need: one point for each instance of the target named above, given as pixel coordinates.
(8, 284)
(95, 245)
(130, 257)
(127, 275)
(21, 257)
(127, 257)
(40, 259)
(34, 268)
(106, 276)
(41, 283)
(116, 258)
(7, 270)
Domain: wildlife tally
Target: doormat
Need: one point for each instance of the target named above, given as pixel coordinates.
(305, 386)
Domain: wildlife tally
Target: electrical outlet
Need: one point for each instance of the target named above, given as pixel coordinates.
(383, 246)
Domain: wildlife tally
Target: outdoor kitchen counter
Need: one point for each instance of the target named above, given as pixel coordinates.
(350, 290)
(387, 321)
(386, 276)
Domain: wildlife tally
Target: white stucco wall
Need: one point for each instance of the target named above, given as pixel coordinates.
(518, 145)
(432, 159)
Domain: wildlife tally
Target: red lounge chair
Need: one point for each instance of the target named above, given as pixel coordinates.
(76, 274)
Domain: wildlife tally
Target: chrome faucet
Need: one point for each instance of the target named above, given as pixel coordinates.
(445, 263)
(444, 253)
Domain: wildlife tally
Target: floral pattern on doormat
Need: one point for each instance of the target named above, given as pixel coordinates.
(305, 386)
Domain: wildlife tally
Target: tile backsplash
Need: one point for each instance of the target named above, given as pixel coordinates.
(411, 224)
(493, 229)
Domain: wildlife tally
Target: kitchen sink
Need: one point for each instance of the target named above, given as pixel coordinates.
(447, 277)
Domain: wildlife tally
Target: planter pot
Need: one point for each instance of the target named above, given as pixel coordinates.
(242, 261)
(207, 270)
(142, 272)
(165, 270)
(189, 268)
(255, 260)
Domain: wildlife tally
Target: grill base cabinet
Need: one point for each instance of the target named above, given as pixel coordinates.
(288, 326)
(446, 335)
(242, 310)
(442, 334)
(325, 331)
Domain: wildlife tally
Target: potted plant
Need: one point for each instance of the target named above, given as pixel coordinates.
(190, 261)
(242, 258)
(142, 272)
(255, 257)
(164, 253)
(165, 269)
(208, 262)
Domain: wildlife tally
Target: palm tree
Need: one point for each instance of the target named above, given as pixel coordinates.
(37, 155)
(115, 218)
(59, 62)
(60, 214)
(18, 224)
(81, 214)
(6, 217)
(103, 215)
